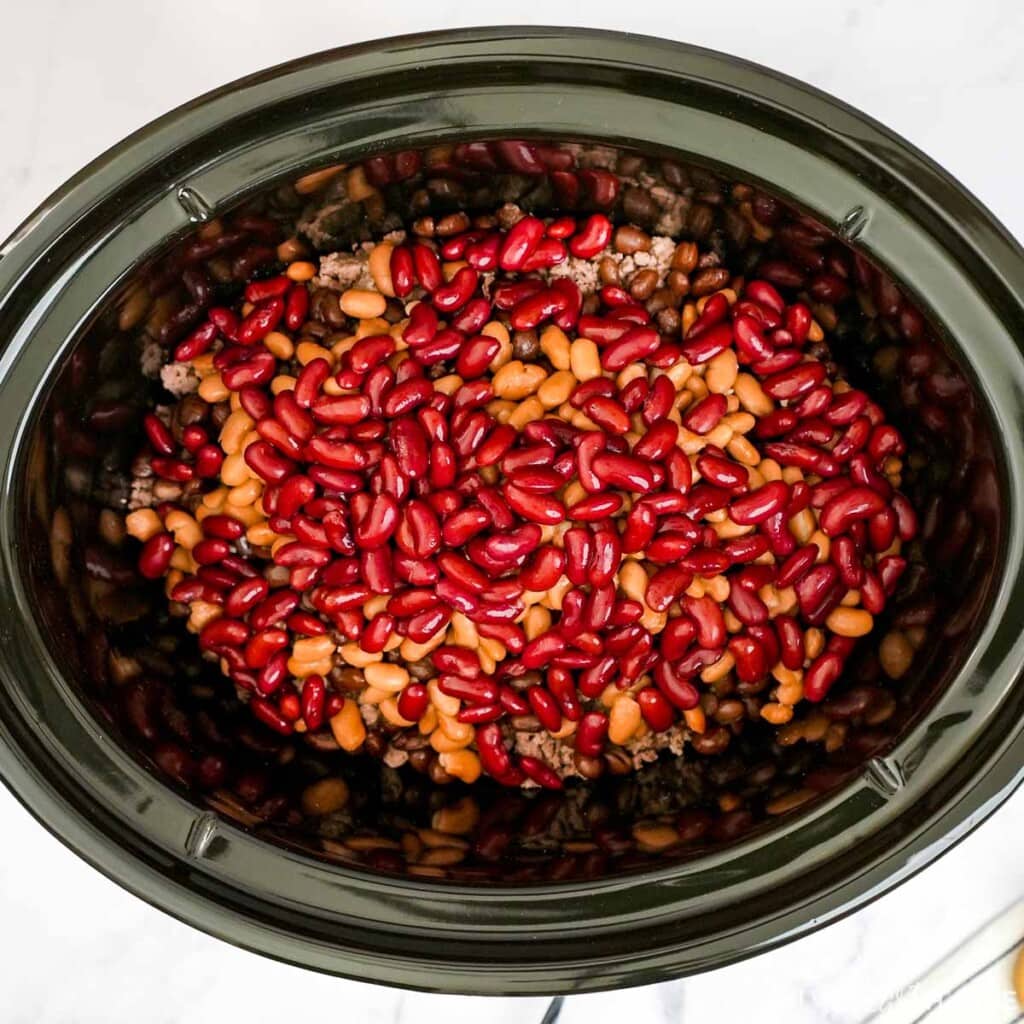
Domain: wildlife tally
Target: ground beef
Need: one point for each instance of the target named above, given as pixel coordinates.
(342, 270)
(179, 378)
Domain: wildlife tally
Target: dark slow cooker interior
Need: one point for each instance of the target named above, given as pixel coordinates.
(139, 670)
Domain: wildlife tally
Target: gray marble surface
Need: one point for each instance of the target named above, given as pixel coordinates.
(78, 77)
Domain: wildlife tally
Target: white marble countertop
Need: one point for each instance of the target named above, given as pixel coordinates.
(80, 76)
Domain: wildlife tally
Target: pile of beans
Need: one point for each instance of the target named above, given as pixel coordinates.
(488, 497)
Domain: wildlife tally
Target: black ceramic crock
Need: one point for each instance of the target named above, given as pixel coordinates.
(951, 763)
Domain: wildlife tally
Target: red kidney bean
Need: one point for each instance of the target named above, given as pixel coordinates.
(747, 606)
(811, 431)
(275, 434)
(853, 440)
(536, 479)
(750, 657)
(750, 340)
(641, 523)
(481, 690)
(476, 356)
(267, 463)
(815, 402)
(427, 266)
(776, 423)
(665, 586)
(545, 707)
(562, 686)
(656, 710)
(607, 413)
(209, 459)
(537, 508)
(413, 701)
(791, 641)
(155, 557)
(872, 593)
(223, 632)
(845, 408)
(623, 471)
(849, 506)
(722, 472)
(846, 558)
(659, 401)
(457, 660)
(171, 469)
(746, 549)
(596, 507)
(882, 530)
(270, 715)
(314, 696)
(890, 569)
(759, 505)
(708, 344)
(535, 309)
(193, 437)
(422, 326)
(817, 590)
(679, 690)
(159, 435)
(677, 637)
(591, 734)
(706, 414)
(309, 382)
(472, 317)
(669, 546)
(906, 517)
(245, 596)
(633, 346)
(269, 288)
(594, 678)
(572, 302)
(544, 569)
(493, 755)
(607, 555)
(453, 296)
(707, 615)
(296, 307)
(509, 294)
(583, 393)
(592, 237)
(716, 309)
(520, 242)
(260, 322)
(821, 676)
(344, 409)
(539, 651)
(483, 254)
(273, 674)
(198, 342)
(426, 624)
(765, 294)
(306, 624)
(796, 565)
(540, 773)
(658, 441)
(210, 551)
(300, 554)
(634, 394)
(794, 382)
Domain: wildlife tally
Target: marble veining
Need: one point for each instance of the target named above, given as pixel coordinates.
(78, 77)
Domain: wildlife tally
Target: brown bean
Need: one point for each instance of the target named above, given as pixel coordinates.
(705, 282)
(684, 259)
(629, 239)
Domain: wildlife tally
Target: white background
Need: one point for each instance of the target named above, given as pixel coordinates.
(78, 76)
